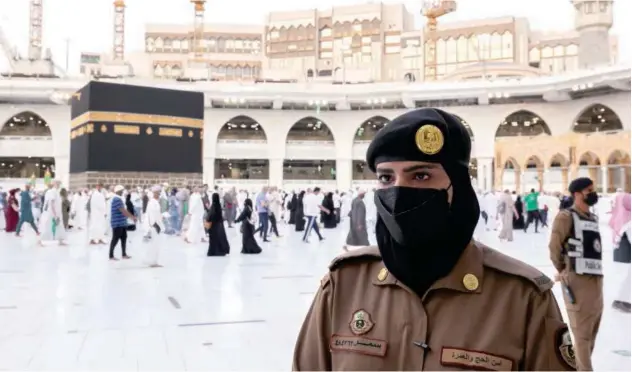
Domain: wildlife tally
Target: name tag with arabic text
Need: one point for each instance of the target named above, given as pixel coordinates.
(474, 360)
(357, 344)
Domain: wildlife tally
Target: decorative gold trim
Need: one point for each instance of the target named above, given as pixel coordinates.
(170, 132)
(190, 133)
(149, 131)
(90, 128)
(104, 128)
(127, 129)
(120, 117)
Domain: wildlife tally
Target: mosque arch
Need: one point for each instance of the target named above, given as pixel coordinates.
(522, 123)
(597, 118)
(534, 162)
(310, 128)
(558, 161)
(589, 159)
(512, 164)
(369, 128)
(619, 157)
(242, 127)
(25, 123)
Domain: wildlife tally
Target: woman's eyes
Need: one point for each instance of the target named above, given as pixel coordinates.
(388, 178)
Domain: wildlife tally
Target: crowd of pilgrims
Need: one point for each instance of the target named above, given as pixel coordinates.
(195, 214)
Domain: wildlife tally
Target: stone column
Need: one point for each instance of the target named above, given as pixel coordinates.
(565, 174)
(208, 171)
(485, 179)
(62, 169)
(604, 179)
(276, 172)
(344, 174)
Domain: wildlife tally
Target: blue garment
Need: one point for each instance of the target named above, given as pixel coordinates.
(26, 208)
(173, 222)
(117, 218)
(261, 198)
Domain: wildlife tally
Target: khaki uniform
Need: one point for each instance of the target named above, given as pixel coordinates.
(491, 312)
(585, 314)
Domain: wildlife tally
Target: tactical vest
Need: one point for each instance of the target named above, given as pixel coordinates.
(583, 247)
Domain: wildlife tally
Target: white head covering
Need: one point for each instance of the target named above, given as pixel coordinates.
(156, 188)
(118, 188)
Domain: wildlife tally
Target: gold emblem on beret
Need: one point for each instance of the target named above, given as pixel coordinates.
(361, 322)
(149, 131)
(381, 276)
(104, 128)
(470, 281)
(190, 133)
(429, 139)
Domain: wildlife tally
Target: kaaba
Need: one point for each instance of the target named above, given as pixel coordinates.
(135, 135)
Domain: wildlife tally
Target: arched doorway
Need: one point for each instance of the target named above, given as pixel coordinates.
(618, 171)
(363, 136)
(27, 124)
(310, 129)
(242, 128)
(590, 166)
(310, 153)
(511, 175)
(522, 123)
(369, 128)
(597, 118)
(241, 153)
(556, 176)
(533, 175)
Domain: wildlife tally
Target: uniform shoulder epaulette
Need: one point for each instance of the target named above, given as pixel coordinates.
(370, 253)
(509, 265)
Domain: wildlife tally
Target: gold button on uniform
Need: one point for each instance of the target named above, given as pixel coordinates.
(381, 276)
(470, 282)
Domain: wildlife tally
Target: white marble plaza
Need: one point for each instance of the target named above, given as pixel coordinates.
(69, 308)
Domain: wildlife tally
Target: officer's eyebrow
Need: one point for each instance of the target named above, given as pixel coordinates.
(420, 166)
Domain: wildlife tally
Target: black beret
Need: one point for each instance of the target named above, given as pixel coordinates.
(579, 184)
(426, 134)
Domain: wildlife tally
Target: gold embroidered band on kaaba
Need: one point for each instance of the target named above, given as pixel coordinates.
(129, 118)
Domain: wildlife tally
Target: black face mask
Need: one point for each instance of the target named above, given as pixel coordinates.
(414, 217)
(591, 198)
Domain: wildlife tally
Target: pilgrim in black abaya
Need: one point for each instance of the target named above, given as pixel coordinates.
(248, 243)
(300, 215)
(292, 208)
(518, 222)
(329, 219)
(218, 243)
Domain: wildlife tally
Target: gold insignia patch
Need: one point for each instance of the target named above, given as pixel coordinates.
(429, 139)
(565, 349)
(470, 281)
(361, 322)
(381, 276)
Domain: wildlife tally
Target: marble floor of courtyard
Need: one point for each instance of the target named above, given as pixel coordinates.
(69, 308)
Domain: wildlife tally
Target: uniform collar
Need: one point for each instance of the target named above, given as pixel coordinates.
(469, 264)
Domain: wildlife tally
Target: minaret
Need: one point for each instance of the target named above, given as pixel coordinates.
(35, 30)
(593, 20)
(198, 27)
(118, 52)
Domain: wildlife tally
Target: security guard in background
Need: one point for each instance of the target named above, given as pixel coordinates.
(428, 297)
(576, 254)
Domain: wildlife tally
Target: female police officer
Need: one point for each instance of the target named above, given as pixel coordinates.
(428, 297)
